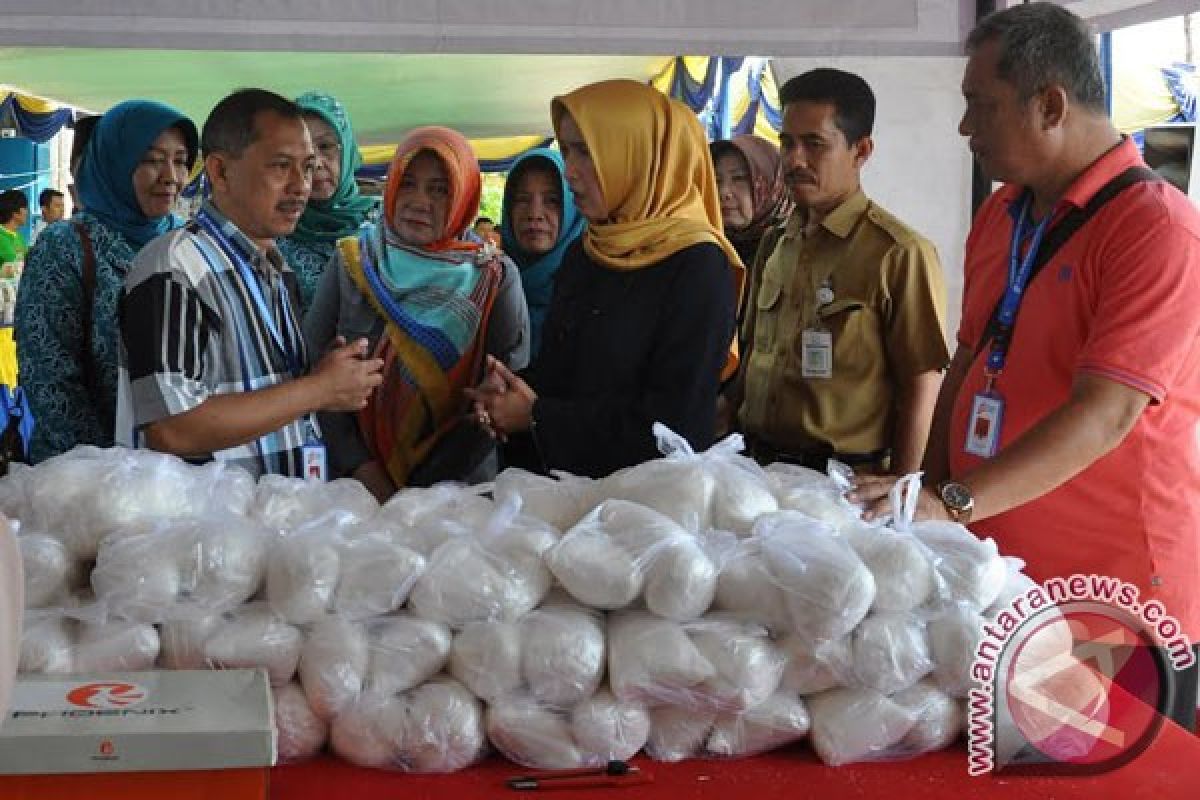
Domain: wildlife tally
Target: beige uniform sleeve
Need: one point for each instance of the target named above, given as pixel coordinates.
(916, 311)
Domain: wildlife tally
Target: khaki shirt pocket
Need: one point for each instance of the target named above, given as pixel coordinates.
(767, 305)
(854, 342)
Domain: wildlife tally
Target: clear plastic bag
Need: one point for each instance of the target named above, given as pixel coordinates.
(115, 646)
(375, 575)
(954, 636)
(826, 587)
(971, 570)
(47, 645)
(304, 567)
(748, 666)
(621, 549)
(80, 640)
(563, 654)
(423, 519)
(678, 733)
(816, 666)
(900, 564)
(857, 724)
(497, 573)
(780, 720)
(653, 661)
(254, 636)
(299, 732)
(49, 569)
(86, 494)
(717, 488)
(560, 501)
(282, 503)
(890, 652)
(180, 568)
(437, 727)
(334, 664)
(940, 718)
(607, 729)
(594, 732)
(486, 658)
(405, 651)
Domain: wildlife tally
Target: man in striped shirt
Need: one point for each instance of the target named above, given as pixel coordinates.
(213, 362)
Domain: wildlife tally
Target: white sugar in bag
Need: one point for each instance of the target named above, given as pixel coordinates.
(939, 718)
(532, 735)
(254, 636)
(299, 733)
(890, 652)
(678, 733)
(852, 725)
(562, 654)
(781, 720)
(333, 665)
(486, 658)
(406, 651)
(606, 729)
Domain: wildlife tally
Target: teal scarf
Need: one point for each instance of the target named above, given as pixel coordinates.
(429, 295)
(116, 147)
(537, 272)
(345, 212)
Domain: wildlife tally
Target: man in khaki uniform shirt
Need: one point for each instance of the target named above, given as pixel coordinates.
(844, 320)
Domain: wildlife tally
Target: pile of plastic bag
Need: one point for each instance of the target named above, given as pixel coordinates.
(692, 606)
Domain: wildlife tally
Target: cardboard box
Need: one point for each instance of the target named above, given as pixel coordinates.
(144, 734)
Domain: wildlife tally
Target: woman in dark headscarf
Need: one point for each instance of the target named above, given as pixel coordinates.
(335, 208)
(135, 163)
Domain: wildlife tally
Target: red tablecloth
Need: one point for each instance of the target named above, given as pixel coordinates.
(1169, 769)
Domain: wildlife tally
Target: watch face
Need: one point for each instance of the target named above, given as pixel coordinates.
(956, 495)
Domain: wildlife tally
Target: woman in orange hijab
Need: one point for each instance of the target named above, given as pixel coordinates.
(642, 318)
(431, 306)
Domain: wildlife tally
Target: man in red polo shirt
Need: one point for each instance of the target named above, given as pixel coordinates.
(1080, 454)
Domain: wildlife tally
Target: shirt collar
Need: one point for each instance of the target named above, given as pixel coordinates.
(1093, 179)
(840, 221)
(245, 246)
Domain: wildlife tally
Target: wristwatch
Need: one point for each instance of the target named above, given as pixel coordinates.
(958, 500)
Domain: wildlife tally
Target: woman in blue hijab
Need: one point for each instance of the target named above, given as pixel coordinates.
(537, 225)
(335, 208)
(133, 167)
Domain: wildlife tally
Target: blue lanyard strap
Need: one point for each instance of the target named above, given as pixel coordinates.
(255, 288)
(1019, 271)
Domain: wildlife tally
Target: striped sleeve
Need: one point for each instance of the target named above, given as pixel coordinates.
(165, 327)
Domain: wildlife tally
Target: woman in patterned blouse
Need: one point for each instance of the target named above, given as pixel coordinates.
(134, 164)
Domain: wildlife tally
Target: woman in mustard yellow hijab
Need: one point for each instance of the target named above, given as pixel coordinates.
(642, 319)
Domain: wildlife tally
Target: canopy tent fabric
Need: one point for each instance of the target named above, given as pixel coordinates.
(32, 117)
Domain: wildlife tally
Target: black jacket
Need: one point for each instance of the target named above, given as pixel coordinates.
(622, 350)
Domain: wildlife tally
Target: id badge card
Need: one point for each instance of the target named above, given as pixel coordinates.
(983, 427)
(816, 354)
(315, 465)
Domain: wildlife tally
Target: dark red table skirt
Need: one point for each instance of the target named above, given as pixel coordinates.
(1169, 769)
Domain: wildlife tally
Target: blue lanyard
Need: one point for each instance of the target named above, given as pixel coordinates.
(1019, 270)
(255, 289)
(268, 318)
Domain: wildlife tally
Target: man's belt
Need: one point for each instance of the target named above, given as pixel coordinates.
(814, 458)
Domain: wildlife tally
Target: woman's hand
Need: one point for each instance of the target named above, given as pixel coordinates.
(503, 403)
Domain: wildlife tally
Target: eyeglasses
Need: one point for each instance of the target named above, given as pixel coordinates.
(327, 148)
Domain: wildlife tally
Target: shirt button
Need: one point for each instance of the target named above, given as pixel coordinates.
(1156, 580)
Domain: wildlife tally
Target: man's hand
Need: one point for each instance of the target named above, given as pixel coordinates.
(345, 378)
(873, 492)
